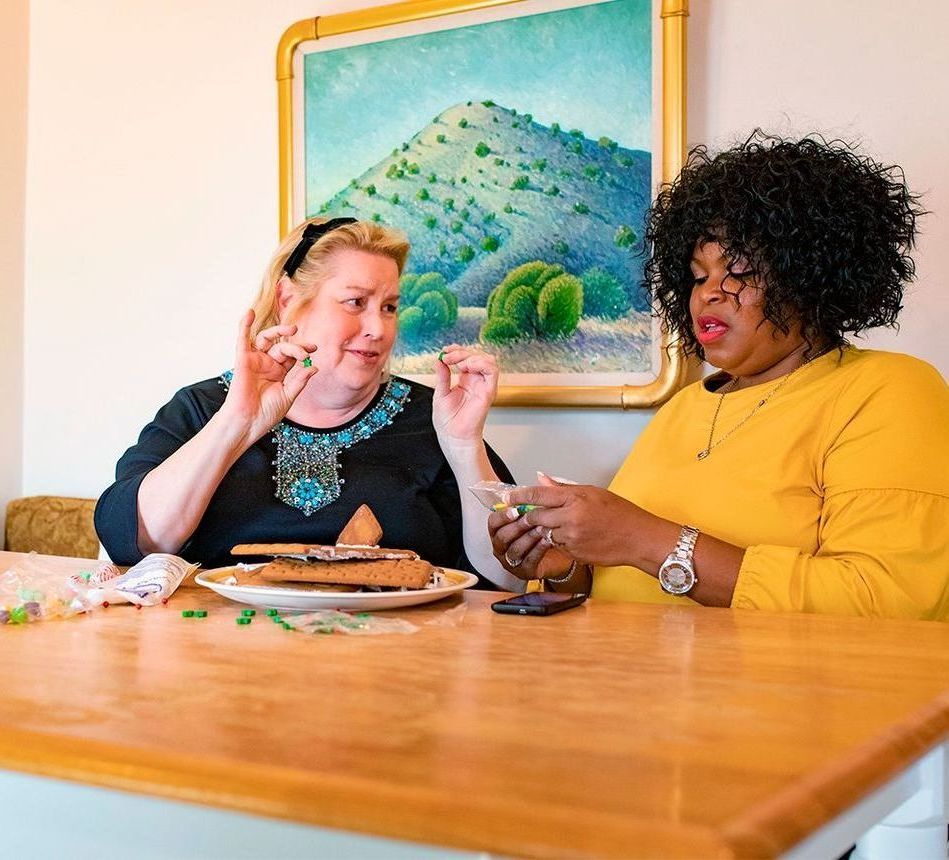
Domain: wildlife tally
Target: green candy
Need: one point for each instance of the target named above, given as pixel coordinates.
(187, 613)
(308, 362)
(248, 613)
(201, 613)
(271, 612)
(19, 615)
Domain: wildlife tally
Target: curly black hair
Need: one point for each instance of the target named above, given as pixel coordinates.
(830, 232)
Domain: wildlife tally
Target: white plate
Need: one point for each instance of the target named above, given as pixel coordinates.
(293, 598)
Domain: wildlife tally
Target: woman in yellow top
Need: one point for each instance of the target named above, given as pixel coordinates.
(806, 475)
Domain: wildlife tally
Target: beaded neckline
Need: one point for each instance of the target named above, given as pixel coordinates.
(307, 464)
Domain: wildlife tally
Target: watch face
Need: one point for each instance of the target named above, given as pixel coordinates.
(676, 578)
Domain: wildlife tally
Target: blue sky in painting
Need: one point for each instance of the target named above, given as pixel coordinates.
(586, 68)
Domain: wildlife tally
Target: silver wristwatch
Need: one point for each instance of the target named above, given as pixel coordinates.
(677, 573)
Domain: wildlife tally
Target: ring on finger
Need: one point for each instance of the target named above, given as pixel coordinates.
(549, 538)
(511, 562)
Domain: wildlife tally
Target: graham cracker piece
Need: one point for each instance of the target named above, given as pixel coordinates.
(405, 573)
(270, 549)
(355, 553)
(363, 529)
(245, 576)
(327, 552)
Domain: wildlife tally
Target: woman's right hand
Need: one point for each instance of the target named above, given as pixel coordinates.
(521, 548)
(268, 376)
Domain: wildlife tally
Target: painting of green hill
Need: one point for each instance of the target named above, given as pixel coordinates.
(521, 188)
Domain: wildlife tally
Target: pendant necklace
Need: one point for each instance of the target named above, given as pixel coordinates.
(731, 386)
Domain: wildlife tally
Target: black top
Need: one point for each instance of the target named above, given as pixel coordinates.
(399, 471)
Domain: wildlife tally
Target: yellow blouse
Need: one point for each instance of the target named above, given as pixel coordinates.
(838, 486)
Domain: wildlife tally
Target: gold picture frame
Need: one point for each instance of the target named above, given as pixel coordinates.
(673, 366)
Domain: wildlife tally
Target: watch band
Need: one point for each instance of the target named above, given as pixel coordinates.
(685, 548)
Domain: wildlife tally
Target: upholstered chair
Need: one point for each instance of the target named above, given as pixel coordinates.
(51, 525)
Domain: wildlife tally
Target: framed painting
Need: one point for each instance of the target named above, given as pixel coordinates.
(518, 144)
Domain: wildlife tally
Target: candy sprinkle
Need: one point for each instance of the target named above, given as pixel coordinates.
(201, 613)
(187, 613)
(308, 362)
(248, 613)
(271, 612)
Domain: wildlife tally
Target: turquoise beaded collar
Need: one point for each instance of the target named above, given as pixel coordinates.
(307, 464)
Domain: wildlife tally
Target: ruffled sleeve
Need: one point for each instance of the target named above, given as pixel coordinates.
(884, 525)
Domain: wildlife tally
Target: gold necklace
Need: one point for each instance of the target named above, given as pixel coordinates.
(731, 386)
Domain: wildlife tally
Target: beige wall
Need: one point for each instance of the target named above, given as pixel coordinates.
(152, 183)
(14, 49)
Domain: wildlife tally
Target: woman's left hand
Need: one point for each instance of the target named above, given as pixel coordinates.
(459, 411)
(589, 523)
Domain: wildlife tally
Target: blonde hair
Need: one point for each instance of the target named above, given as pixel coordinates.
(318, 264)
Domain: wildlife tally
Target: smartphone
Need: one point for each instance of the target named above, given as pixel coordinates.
(538, 603)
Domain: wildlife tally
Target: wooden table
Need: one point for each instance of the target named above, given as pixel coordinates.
(613, 730)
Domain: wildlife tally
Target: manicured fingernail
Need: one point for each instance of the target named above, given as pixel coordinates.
(513, 513)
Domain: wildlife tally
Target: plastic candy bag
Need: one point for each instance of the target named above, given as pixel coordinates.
(495, 496)
(355, 623)
(153, 579)
(30, 591)
(365, 624)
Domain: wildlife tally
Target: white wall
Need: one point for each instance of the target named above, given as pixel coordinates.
(14, 40)
(152, 194)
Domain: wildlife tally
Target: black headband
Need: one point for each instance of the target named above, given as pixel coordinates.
(311, 234)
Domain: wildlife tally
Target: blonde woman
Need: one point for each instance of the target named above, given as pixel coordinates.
(309, 425)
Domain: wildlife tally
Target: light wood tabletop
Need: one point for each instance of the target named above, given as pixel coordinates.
(610, 730)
